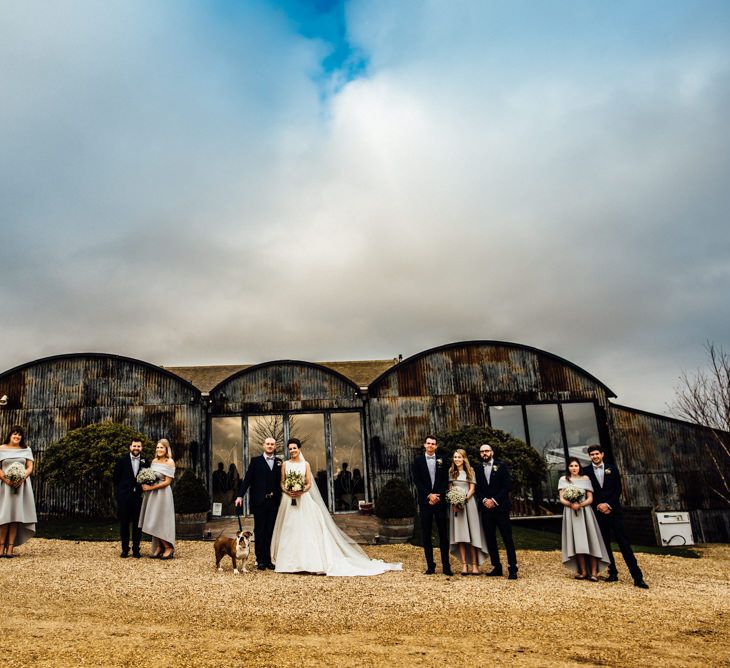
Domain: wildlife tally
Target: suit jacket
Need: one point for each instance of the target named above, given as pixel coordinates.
(422, 480)
(265, 483)
(497, 488)
(125, 482)
(610, 493)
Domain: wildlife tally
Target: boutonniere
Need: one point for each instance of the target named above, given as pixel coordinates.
(277, 460)
(608, 471)
(439, 461)
(495, 467)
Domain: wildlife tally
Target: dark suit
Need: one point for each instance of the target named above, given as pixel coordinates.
(265, 485)
(429, 513)
(497, 488)
(613, 523)
(129, 501)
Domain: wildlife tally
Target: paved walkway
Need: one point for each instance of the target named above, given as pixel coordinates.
(362, 528)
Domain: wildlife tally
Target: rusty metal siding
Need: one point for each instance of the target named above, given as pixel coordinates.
(282, 387)
(54, 396)
(454, 386)
(667, 466)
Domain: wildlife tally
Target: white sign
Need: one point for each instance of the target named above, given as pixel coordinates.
(217, 509)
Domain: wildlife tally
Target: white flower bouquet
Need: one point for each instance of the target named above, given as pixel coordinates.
(574, 494)
(147, 477)
(294, 482)
(15, 473)
(456, 497)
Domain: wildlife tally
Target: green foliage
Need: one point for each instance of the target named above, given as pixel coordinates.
(527, 468)
(190, 494)
(395, 501)
(90, 453)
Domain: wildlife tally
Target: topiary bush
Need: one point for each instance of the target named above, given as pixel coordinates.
(87, 456)
(190, 495)
(395, 501)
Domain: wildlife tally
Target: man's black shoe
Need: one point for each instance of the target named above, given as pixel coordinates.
(512, 575)
(261, 567)
(448, 571)
(494, 573)
(271, 567)
(612, 578)
(641, 584)
(136, 555)
(429, 571)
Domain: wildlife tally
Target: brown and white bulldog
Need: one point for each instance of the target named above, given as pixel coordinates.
(236, 548)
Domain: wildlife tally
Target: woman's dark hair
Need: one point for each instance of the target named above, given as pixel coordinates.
(567, 466)
(16, 429)
(296, 442)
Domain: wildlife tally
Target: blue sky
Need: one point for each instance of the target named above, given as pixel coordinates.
(229, 182)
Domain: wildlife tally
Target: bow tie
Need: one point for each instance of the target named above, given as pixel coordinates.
(269, 459)
(434, 457)
(136, 459)
(600, 466)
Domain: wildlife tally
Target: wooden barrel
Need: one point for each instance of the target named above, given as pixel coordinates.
(190, 526)
(396, 530)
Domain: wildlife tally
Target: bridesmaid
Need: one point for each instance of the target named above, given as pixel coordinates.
(467, 538)
(157, 517)
(582, 545)
(17, 505)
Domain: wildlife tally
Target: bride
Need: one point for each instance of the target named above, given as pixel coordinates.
(305, 535)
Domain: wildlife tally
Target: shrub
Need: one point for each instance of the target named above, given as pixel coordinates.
(526, 466)
(86, 457)
(190, 494)
(395, 501)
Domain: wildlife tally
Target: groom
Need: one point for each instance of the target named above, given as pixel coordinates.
(431, 477)
(264, 478)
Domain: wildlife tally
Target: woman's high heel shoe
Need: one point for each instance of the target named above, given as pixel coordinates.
(169, 556)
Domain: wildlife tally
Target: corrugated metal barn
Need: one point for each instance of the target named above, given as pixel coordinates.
(363, 422)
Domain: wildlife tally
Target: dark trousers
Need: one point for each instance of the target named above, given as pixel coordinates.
(493, 520)
(264, 518)
(428, 515)
(613, 525)
(128, 511)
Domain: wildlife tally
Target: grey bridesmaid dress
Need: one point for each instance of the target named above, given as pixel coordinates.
(581, 533)
(18, 506)
(466, 526)
(157, 517)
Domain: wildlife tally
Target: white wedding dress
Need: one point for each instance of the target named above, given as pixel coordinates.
(307, 539)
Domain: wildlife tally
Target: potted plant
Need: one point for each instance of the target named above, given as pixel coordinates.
(395, 509)
(192, 504)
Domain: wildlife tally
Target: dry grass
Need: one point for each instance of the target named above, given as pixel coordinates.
(82, 605)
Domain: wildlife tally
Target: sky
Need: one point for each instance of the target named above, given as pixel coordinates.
(237, 182)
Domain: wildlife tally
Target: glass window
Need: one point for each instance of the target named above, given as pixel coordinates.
(261, 427)
(347, 461)
(508, 419)
(309, 429)
(581, 429)
(227, 460)
(543, 422)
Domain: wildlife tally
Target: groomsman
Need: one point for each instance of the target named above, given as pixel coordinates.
(606, 481)
(129, 496)
(431, 476)
(264, 478)
(493, 484)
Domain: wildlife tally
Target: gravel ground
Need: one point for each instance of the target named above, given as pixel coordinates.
(81, 605)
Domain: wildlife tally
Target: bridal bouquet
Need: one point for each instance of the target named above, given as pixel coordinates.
(573, 494)
(147, 477)
(456, 497)
(294, 482)
(15, 473)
